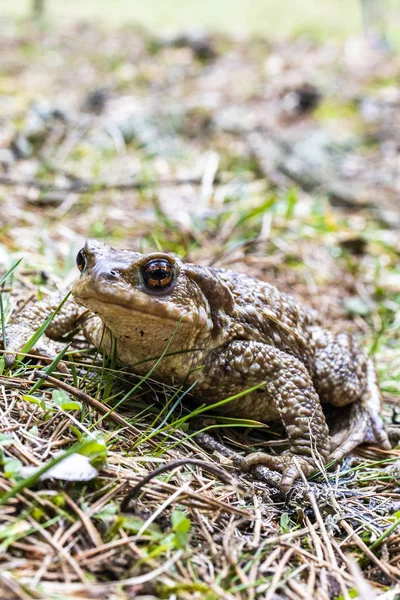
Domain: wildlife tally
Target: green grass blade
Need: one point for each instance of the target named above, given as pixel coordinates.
(38, 334)
(3, 323)
(10, 271)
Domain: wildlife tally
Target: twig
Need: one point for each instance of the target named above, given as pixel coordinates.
(110, 587)
(86, 521)
(96, 404)
(364, 548)
(320, 555)
(278, 574)
(194, 499)
(226, 478)
(97, 506)
(260, 472)
(98, 186)
(330, 554)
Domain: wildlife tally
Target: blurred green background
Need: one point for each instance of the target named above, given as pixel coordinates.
(320, 18)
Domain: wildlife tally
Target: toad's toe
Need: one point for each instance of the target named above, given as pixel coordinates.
(287, 463)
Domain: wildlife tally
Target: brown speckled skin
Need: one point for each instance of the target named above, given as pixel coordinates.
(237, 332)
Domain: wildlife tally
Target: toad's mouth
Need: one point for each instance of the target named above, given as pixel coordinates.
(166, 311)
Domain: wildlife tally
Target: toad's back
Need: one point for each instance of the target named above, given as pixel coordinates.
(271, 317)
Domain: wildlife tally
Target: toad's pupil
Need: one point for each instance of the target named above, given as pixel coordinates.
(81, 260)
(158, 274)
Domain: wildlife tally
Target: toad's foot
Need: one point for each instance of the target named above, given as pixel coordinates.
(287, 464)
(18, 336)
(363, 423)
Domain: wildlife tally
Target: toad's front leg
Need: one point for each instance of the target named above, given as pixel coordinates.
(289, 388)
(67, 316)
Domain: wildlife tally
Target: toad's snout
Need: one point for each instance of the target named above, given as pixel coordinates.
(108, 271)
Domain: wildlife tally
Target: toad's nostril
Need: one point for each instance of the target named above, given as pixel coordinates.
(108, 274)
(112, 275)
(104, 270)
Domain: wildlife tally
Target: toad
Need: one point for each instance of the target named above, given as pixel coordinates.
(222, 333)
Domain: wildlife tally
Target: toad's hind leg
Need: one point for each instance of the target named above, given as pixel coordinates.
(345, 376)
(288, 388)
(363, 424)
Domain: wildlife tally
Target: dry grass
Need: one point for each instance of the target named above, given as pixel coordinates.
(165, 163)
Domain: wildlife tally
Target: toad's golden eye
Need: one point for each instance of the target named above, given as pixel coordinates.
(81, 260)
(158, 275)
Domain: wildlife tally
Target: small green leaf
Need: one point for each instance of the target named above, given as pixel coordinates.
(107, 512)
(77, 433)
(95, 448)
(6, 439)
(64, 401)
(181, 526)
(167, 544)
(134, 524)
(12, 467)
(284, 523)
(39, 400)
